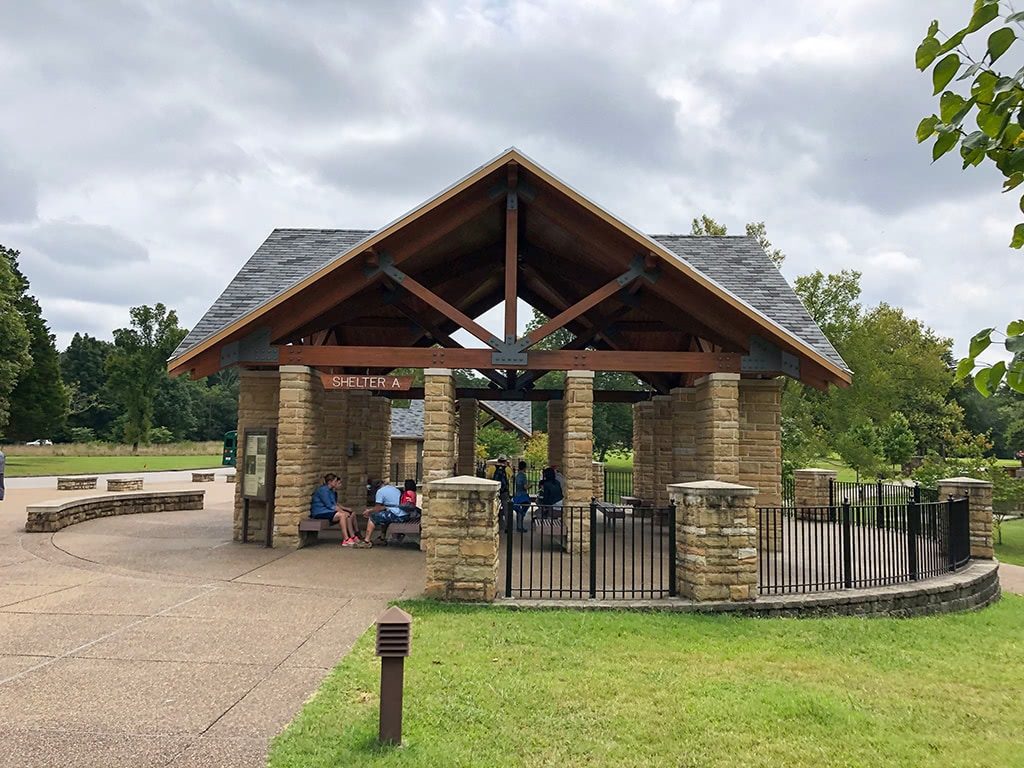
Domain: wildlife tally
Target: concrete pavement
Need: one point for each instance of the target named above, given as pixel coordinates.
(151, 478)
(1011, 578)
(154, 640)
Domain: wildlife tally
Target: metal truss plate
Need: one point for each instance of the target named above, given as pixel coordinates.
(508, 359)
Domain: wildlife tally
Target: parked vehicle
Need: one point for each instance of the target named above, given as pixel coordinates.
(40, 442)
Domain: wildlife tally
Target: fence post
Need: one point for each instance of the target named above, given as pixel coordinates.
(508, 554)
(953, 532)
(913, 529)
(673, 589)
(831, 492)
(593, 548)
(847, 546)
(879, 508)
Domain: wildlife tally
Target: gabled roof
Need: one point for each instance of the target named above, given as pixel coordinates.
(733, 270)
(408, 422)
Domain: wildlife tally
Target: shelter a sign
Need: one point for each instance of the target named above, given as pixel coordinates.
(351, 381)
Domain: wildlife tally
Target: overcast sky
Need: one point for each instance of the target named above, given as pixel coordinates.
(147, 149)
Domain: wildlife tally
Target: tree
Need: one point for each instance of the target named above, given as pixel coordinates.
(832, 300)
(83, 368)
(708, 227)
(14, 335)
(136, 365)
(39, 402)
(496, 442)
(996, 102)
(859, 447)
(897, 441)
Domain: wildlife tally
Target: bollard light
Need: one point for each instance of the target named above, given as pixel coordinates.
(394, 641)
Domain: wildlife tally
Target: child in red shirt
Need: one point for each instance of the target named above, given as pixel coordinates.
(408, 499)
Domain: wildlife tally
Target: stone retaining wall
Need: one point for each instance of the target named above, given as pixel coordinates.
(126, 484)
(969, 589)
(49, 516)
(203, 477)
(76, 483)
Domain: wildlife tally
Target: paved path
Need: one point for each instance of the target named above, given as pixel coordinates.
(154, 640)
(1011, 578)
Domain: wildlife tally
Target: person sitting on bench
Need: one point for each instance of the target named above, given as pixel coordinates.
(386, 509)
(324, 506)
(549, 500)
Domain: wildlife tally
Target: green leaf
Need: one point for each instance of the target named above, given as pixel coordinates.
(1016, 328)
(934, 27)
(961, 113)
(926, 128)
(981, 381)
(972, 157)
(1015, 374)
(952, 42)
(971, 71)
(926, 53)
(1014, 180)
(944, 72)
(982, 16)
(1014, 344)
(943, 144)
(1015, 160)
(980, 342)
(1018, 236)
(976, 140)
(998, 42)
(996, 374)
(1018, 16)
(964, 368)
(983, 86)
(949, 104)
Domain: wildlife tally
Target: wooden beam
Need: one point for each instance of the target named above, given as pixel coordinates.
(560, 320)
(511, 250)
(454, 313)
(531, 396)
(543, 360)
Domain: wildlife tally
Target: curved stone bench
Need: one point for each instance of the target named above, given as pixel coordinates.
(203, 477)
(76, 483)
(124, 484)
(49, 516)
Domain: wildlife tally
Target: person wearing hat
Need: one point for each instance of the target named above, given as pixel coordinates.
(500, 474)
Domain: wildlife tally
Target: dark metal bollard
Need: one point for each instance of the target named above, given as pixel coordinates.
(394, 641)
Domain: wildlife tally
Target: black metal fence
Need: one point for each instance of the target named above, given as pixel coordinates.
(617, 483)
(598, 551)
(788, 490)
(860, 494)
(811, 549)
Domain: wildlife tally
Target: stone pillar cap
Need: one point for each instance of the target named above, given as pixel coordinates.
(465, 483)
(715, 488)
(437, 371)
(574, 374)
(295, 369)
(719, 376)
(964, 481)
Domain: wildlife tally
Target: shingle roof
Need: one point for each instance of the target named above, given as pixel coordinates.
(408, 422)
(740, 265)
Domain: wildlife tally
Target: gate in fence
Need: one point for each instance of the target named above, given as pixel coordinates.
(851, 546)
(600, 551)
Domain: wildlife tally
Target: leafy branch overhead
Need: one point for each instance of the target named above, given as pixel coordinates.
(996, 102)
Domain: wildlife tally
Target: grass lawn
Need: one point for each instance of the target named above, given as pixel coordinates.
(1012, 548)
(491, 687)
(846, 475)
(619, 461)
(33, 466)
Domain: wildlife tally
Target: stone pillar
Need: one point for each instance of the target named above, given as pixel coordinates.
(643, 450)
(460, 538)
(258, 394)
(334, 429)
(684, 435)
(299, 468)
(466, 451)
(716, 540)
(716, 403)
(438, 429)
(663, 450)
(357, 452)
(556, 434)
(810, 489)
(597, 475)
(979, 500)
(579, 455)
(760, 449)
(378, 439)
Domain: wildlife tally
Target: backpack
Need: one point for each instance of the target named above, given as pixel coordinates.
(501, 475)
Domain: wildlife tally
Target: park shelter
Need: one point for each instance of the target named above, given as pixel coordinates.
(709, 324)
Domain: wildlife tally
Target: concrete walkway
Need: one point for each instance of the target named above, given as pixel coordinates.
(160, 477)
(1011, 578)
(154, 640)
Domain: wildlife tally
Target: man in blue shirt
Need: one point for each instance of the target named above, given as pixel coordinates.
(324, 506)
(385, 510)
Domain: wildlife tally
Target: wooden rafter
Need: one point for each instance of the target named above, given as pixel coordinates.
(511, 250)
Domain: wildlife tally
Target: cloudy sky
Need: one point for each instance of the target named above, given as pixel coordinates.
(146, 149)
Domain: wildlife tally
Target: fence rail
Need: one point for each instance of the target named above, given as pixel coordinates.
(617, 483)
(597, 551)
(811, 549)
(860, 494)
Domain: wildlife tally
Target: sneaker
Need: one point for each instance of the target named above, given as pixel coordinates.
(349, 542)
(361, 544)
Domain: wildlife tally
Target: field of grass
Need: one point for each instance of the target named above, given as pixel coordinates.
(20, 465)
(204, 448)
(622, 460)
(488, 687)
(1012, 548)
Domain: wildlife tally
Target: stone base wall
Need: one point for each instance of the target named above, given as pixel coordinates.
(76, 483)
(460, 538)
(979, 496)
(126, 484)
(405, 451)
(760, 449)
(810, 487)
(258, 398)
(299, 446)
(597, 476)
(203, 477)
(54, 515)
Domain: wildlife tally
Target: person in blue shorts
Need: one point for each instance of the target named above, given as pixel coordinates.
(324, 506)
(386, 509)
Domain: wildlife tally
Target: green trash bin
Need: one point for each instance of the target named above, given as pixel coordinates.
(230, 448)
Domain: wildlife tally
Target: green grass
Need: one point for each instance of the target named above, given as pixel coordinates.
(846, 475)
(1012, 548)
(622, 460)
(34, 466)
(492, 687)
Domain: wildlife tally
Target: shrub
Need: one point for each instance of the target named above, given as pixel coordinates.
(160, 435)
(81, 435)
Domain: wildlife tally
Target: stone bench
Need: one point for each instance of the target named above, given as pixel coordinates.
(49, 516)
(76, 483)
(203, 477)
(125, 484)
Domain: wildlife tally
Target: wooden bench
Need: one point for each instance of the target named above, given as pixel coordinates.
(310, 528)
(203, 477)
(124, 484)
(76, 483)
